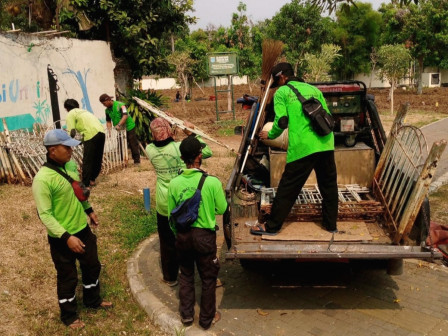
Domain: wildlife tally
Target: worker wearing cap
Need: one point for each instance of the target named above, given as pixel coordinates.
(93, 139)
(306, 151)
(117, 114)
(198, 245)
(164, 155)
(69, 235)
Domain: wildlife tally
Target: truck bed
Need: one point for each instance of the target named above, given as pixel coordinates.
(338, 246)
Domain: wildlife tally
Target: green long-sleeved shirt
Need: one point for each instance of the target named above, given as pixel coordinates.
(115, 113)
(83, 122)
(59, 209)
(213, 200)
(303, 141)
(167, 163)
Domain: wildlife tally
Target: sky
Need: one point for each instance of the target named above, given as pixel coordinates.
(219, 12)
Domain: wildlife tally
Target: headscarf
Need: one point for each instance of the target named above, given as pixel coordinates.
(160, 129)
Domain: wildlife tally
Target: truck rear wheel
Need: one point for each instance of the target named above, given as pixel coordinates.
(395, 266)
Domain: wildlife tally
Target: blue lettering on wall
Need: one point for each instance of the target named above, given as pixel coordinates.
(14, 92)
(13, 96)
(4, 93)
(83, 84)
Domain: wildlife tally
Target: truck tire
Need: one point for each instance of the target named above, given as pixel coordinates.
(395, 266)
(419, 231)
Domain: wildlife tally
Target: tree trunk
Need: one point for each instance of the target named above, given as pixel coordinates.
(392, 97)
(371, 75)
(183, 92)
(172, 43)
(420, 74)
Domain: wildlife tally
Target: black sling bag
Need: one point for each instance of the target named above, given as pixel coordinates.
(321, 121)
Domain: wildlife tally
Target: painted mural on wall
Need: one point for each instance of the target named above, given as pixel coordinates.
(84, 70)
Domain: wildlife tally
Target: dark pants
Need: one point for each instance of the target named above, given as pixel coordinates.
(133, 144)
(198, 246)
(168, 256)
(294, 177)
(67, 277)
(92, 158)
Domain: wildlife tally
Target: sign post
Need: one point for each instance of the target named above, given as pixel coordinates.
(223, 64)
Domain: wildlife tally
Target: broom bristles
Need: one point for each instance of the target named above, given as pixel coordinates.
(271, 50)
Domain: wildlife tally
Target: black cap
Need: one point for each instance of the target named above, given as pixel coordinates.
(190, 148)
(105, 97)
(281, 69)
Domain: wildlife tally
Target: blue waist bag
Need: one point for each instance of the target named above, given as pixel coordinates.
(186, 213)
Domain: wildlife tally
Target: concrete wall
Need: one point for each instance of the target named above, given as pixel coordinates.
(84, 70)
(149, 83)
(374, 81)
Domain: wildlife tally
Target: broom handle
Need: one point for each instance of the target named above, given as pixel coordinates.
(260, 111)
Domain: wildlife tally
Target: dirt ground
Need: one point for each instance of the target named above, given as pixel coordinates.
(27, 286)
(202, 111)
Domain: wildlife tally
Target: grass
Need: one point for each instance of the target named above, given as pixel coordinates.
(227, 126)
(439, 211)
(28, 298)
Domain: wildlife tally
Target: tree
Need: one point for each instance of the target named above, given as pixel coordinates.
(331, 5)
(394, 61)
(27, 15)
(423, 29)
(140, 31)
(318, 65)
(301, 28)
(183, 64)
(357, 32)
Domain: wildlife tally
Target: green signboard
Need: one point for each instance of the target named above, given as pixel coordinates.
(222, 64)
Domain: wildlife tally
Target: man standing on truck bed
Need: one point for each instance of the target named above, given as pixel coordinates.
(306, 151)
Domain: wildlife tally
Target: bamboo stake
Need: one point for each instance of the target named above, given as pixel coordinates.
(11, 153)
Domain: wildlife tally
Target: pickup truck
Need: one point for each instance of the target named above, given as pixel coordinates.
(383, 184)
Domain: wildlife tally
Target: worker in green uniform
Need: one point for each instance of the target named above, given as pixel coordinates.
(306, 151)
(117, 114)
(93, 139)
(69, 235)
(164, 155)
(198, 245)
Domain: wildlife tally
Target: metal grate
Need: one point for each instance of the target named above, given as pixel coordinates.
(355, 202)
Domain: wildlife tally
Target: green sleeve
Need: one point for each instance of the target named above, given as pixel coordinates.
(220, 198)
(206, 151)
(42, 197)
(171, 206)
(72, 170)
(70, 121)
(280, 111)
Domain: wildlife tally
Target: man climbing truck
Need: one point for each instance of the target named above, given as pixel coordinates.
(382, 187)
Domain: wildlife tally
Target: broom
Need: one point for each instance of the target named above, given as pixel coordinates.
(271, 50)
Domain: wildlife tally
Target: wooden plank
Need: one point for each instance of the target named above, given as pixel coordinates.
(312, 231)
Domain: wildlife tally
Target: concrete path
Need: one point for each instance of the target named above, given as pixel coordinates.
(436, 132)
(304, 299)
(308, 299)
